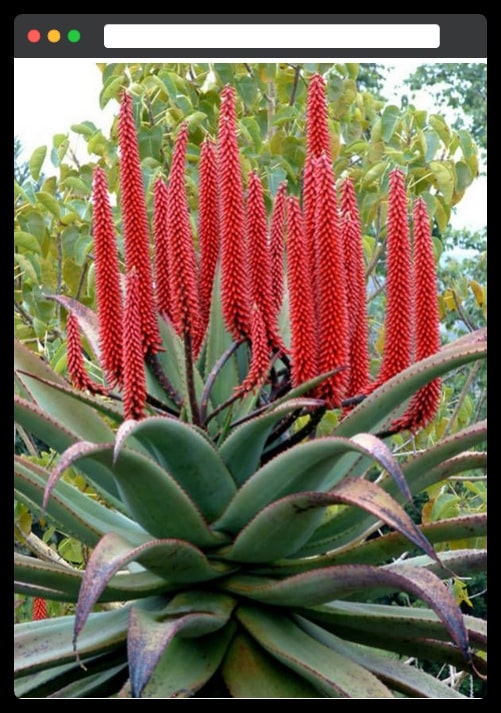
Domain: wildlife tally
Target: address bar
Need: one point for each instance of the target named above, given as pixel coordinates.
(265, 36)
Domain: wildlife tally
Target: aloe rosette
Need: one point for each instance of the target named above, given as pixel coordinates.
(232, 552)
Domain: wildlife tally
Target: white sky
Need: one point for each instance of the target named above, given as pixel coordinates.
(52, 94)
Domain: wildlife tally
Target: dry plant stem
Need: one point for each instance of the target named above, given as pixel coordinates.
(39, 548)
(204, 403)
(153, 361)
(471, 327)
(190, 379)
(464, 392)
(300, 435)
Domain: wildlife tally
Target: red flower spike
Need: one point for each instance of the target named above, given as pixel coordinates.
(108, 289)
(277, 242)
(333, 314)
(134, 386)
(39, 608)
(309, 209)
(135, 223)
(317, 127)
(359, 359)
(317, 143)
(302, 313)
(234, 278)
(183, 264)
(76, 365)
(397, 353)
(260, 361)
(162, 257)
(209, 229)
(259, 258)
(423, 406)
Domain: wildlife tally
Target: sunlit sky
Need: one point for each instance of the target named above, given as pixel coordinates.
(50, 95)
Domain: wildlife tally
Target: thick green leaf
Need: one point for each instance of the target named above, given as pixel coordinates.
(98, 403)
(420, 473)
(187, 456)
(303, 467)
(151, 632)
(397, 675)
(334, 675)
(59, 579)
(284, 526)
(175, 561)
(243, 448)
(187, 664)
(430, 649)
(371, 415)
(83, 421)
(250, 672)
(152, 496)
(49, 642)
(382, 549)
(71, 680)
(54, 435)
(320, 586)
(387, 621)
(75, 513)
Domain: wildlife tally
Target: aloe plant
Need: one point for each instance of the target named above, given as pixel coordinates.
(233, 552)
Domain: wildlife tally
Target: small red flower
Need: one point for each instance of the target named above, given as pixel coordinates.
(397, 354)
(302, 313)
(234, 277)
(134, 386)
(209, 226)
(277, 242)
(259, 258)
(162, 257)
(108, 288)
(424, 404)
(76, 365)
(359, 360)
(39, 608)
(135, 223)
(183, 264)
(317, 128)
(332, 308)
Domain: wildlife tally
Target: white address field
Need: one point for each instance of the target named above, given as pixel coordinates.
(266, 36)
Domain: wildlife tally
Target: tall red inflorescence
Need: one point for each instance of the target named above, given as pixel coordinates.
(259, 259)
(351, 231)
(317, 143)
(209, 226)
(424, 404)
(277, 245)
(162, 256)
(39, 608)
(135, 223)
(234, 275)
(185, 302)
(76, 365)
(397, 353)
(134, 383)
(301, 308)
(333, 351)
(108, 281)
(317, 127)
